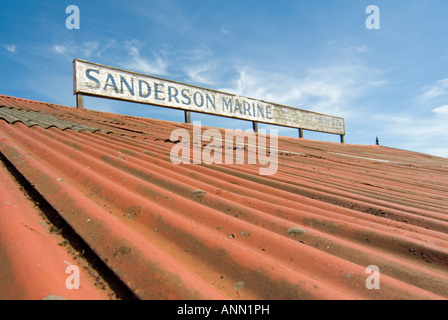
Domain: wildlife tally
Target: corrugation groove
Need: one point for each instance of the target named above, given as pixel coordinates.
(89, 151)
(214, 231)
(31, 118)
(34, 258)
(178, 229)
(371, 185)
(167, 173)
(106, 237)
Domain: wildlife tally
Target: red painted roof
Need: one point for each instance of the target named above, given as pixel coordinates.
(165, 231)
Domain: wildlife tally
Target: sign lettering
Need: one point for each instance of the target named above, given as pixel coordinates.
(102, 81)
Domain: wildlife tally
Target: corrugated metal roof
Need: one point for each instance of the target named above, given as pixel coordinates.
(31, 118)
(34, 253)
(184, 231)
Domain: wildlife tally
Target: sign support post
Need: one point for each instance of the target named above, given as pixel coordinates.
(187, 117)
(255, 126)
(79, 101)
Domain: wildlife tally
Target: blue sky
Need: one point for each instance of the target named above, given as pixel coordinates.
(315, 55)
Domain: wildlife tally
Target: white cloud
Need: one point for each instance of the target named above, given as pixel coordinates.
(443, 110)
(89, 48)
(85, 49)
(332, 90)
(198, 63)
(440, 152)
(363, 48)
(413, 131)
(198, 74)
(198, 53)
(437, 89)
(10, 47)
(60, 49)
(415, 128)
(157, 65)
(224, 30)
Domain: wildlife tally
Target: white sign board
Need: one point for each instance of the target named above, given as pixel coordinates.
(102, 81)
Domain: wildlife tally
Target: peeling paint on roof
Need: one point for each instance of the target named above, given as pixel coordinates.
(223, 231)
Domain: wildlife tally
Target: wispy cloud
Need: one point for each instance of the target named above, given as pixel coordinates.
(363, 48)
(415, 132)
(333, 90)
(200, 74)
(443, 110)
(224, 30)
(441, 152)
(197, 54)
(90, 48)
(157, 65)
(435, 90)
(60, 49)
(86, 49)
(200, 66)
(10, 47)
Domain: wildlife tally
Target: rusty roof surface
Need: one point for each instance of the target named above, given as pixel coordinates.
(167, 231)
